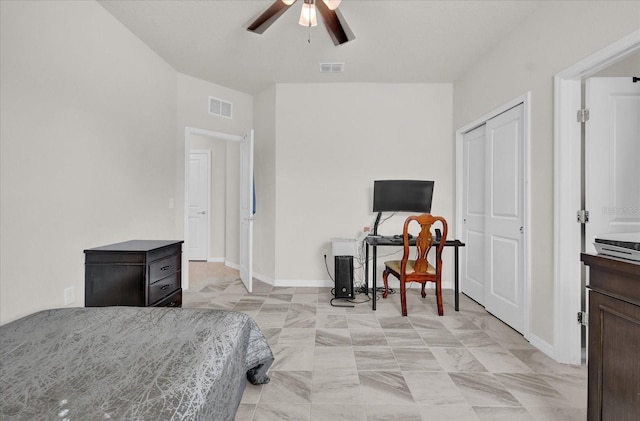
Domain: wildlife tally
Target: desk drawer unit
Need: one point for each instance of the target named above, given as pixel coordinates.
(139, 273)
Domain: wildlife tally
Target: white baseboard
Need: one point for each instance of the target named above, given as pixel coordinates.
(284, 282)
(232, 265)
(262, 278)
(215, 260)
(313, 283)
(542, 345)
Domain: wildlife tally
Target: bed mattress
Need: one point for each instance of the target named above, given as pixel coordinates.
(129, 363)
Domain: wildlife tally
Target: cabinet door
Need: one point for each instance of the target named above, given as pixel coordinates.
(115, 285)
(614, 359)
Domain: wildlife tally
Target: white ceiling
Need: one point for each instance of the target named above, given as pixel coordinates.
(397, 41)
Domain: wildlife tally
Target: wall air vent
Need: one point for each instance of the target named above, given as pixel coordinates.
(331, 67)
(220, 107)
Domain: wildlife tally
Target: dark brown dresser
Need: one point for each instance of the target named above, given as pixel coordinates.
(614, 338)
(139, 273)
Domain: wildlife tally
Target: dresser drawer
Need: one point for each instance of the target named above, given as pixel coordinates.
(163, 287)
(164, 252)
(164, 267)
(173, 300)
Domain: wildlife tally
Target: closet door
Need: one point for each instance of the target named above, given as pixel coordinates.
(504, 220)
(472, 258)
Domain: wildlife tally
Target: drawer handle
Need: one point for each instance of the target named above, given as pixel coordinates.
(163, 287)
(166, 267)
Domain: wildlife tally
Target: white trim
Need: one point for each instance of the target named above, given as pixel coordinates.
(264, 278)
(567, 194)
(215, 259)
(232, 265)
(541, 345)
(525, 100)
(188, 131)
(299, 283)
(258, 276)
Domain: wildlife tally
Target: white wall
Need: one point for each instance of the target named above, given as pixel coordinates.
(87, 147)
(556, 36)
(332, 142)
(264, 226)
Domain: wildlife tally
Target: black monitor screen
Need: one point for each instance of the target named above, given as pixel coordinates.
(402, 196)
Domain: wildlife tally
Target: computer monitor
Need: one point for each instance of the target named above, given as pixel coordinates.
(401, 196)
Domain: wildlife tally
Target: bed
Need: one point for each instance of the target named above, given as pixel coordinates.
(129, 363)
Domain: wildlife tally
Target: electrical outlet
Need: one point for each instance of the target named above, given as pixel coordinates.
(325, 252)
(69, 295)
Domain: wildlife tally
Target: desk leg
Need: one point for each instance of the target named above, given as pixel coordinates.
(457, 297)
(366, 270)
(373, 276)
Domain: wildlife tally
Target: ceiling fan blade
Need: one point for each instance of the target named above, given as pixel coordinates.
(269, 16)
(335, 23)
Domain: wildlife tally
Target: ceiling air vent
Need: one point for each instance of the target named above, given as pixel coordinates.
(331, 67)
(220, 107)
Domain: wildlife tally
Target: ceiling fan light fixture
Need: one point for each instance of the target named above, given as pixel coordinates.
(332, 4)
(288, 2)
(308, 15)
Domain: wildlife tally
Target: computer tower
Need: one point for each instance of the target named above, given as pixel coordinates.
(344, 277)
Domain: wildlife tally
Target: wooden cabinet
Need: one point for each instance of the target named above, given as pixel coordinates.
(614, 338)
(138, 273)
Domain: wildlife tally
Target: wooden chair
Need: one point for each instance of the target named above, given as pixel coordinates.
(418, 270)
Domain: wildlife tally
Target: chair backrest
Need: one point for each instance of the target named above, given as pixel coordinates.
(424, 241)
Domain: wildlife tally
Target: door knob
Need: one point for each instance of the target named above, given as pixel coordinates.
(202, 212)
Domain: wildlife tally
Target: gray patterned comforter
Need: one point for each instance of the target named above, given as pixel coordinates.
(129, 363)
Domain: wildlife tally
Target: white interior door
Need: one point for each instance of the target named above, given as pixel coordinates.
(472, 258)
(199, 203)
(246, 211)
(504, 219)
(612, 157)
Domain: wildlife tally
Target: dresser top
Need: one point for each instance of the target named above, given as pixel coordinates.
(135, 246)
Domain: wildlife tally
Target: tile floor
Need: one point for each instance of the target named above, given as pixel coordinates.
(338, 363)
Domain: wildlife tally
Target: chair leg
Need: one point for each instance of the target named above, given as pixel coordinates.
(439, 297)
(385, 275)
(403, 296)
(424, 294)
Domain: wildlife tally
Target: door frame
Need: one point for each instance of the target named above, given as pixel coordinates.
(188, 131)
(567, 136)
(207, 153)
(525, 100)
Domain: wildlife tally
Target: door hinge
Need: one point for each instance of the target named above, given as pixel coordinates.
(582, 216)
(583, 115)
(583, 318)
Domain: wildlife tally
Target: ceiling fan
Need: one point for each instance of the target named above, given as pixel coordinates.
(333, 19)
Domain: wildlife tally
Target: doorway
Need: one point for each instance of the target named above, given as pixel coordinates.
(231, 222)
(567, 241)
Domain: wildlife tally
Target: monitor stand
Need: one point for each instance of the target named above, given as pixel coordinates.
(375, 224)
